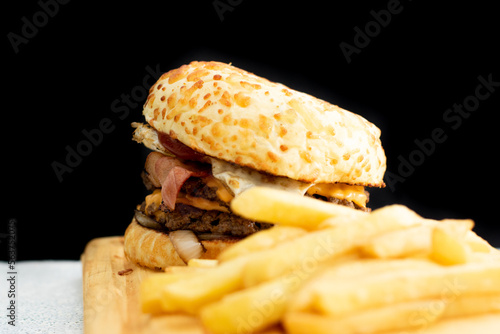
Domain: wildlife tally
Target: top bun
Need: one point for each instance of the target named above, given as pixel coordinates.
(230, 114)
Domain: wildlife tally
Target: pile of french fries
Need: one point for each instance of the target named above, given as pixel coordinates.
(325, 268)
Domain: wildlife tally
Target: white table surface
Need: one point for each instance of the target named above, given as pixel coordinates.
(48, 297)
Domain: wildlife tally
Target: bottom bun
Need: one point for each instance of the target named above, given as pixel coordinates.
(153, 249)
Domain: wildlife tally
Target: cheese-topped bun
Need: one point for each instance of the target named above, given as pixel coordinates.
(233, 115)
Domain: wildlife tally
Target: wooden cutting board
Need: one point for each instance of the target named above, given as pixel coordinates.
(111, 295)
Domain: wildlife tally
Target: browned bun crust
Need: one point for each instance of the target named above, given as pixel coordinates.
(153, 249)
(233, 115)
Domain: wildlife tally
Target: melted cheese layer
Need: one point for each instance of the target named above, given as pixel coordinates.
(342, 191)
(201, 203)
(238, 179)
(222, 192)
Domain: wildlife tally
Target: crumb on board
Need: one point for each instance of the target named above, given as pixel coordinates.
(125, 272)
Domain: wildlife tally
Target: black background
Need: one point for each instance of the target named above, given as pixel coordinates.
(84, 59)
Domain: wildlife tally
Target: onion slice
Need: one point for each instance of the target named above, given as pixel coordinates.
(186, 244)
(147, 221)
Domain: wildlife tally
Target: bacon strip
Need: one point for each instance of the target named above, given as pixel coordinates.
(170, 174)
(173, 184)
(179, 149)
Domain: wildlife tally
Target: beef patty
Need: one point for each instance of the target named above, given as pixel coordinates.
(187, 217)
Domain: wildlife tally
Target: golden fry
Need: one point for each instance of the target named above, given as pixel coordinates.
(262, 240)
(193, 292)
(184, 270)
(415, 315)
(400, 243)
(449, 245)
(202, 263)
(478, 244)
(151, 290)
(348, 296)
(249, 310)
(324, 245)
(281, 207)
(351, 270)
(394, 317)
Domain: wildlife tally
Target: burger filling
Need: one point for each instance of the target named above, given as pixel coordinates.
(196, 195)
(200, 209)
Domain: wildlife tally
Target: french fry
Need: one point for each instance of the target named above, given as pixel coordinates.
(345, 297)
(324, 245)
(202, 263)
(448, 242)
(447, 249)
(458, 227)
(281, 207)
(478, 244)
(261, 240)
(350, 270)
(184, 270)
(389, 215)
(400, 243)
(473, 304)
(151, 290)
(195, 291)
(411, 315)
(483, 323)
(304, 252)
(393, 317)
(249, 310)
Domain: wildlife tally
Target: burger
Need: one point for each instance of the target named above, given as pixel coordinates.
(214, 131)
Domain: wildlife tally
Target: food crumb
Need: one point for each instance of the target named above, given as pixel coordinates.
(125, 272)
